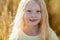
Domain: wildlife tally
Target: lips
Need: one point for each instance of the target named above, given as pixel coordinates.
(33, 20)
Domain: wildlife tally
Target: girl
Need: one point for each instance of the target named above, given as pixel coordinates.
(31, 22)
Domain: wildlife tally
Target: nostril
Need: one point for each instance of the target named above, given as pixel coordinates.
(33, 16)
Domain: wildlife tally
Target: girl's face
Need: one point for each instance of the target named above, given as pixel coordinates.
(32, 13)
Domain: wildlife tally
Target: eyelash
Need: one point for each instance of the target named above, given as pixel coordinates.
(37, 11)
(31, 11)
(28, 11)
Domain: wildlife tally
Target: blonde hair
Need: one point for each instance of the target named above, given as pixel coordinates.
(18, 21)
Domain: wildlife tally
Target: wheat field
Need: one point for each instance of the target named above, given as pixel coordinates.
(8, 10)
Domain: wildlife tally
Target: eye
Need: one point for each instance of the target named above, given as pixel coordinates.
(39, 11)
(28, 10)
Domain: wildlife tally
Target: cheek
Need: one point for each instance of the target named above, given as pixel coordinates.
(25, 16)
(39, 16)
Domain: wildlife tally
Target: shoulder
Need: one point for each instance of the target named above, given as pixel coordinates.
(52, 34)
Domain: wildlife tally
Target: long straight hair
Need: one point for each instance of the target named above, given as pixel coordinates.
(18, 21)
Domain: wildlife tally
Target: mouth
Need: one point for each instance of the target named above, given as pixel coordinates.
(33, 20)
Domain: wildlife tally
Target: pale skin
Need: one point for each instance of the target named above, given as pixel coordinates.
(32, 17)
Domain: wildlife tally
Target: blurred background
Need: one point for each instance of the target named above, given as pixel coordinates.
(8, 10)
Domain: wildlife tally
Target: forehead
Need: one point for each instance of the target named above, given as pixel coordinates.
(31, 5)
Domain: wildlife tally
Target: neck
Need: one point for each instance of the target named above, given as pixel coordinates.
(31, 30)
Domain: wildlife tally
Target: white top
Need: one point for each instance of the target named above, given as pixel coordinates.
(24, 36)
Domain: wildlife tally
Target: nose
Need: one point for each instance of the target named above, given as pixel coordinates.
(33, 15)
